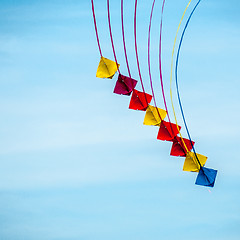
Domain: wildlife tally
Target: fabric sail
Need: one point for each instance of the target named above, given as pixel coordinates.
(168, 131)
(179, 148)
(206, 177)
(139, 100)
(124, 85)
(154, 116)
(106, 68)
(191, 163)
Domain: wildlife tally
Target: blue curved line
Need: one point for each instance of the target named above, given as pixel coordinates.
(176, 77)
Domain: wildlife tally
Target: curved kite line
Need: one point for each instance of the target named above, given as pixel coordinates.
(111, 36)
(160, 62)
(96, 30)
(136, 48)
(206, 176)
(172, 74)
(176, 78)
(123, 37)
(149, 60)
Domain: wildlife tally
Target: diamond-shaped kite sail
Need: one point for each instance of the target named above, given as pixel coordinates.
(124, 85)
(206, 177)
(139, 100)
(106, 68)
(191, 163)
(178, 147)
(154, 116)
(168, 131)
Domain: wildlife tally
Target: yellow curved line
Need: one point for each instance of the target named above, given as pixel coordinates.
(172, 74)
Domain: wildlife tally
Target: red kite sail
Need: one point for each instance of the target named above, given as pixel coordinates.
(139, 100)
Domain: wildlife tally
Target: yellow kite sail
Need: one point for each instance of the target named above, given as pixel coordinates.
(152, 117)
(191, 164)
(106, 68)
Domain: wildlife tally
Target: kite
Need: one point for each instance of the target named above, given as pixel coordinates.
(168, 131)
(124, 85)
(106, 68)
(140, 100)
(154, 116)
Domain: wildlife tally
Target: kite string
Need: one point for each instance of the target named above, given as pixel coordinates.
(149, 60)
(111, 36)
(172, 74)
(160, 67)
(176, 77)
(96, 31)
(136, 49)
(123, 36)
(160, 64)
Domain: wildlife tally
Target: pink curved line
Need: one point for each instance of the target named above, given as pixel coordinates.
(149, 59)
(124, 42)
(111, 36)
(136, 49)
(96, 31)
(160, 62)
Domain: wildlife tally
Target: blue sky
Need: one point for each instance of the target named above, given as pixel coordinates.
(76, 163)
